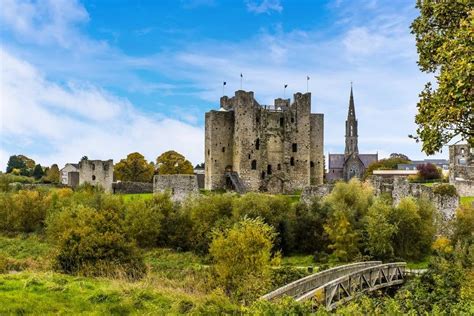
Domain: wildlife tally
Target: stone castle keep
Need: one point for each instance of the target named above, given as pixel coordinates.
(251, 147)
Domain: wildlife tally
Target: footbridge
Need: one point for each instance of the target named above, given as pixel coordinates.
(338, 285)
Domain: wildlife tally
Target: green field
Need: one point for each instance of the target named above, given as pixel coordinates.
(137, 196)
(467, 200)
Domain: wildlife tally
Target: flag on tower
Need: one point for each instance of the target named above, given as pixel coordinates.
(307, 78)
(286, 86)
(224, 83)
(241, 75)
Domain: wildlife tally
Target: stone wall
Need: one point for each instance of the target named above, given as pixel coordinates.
(97, 173)
(178, 185)
(399, 188)
(464, 187)
(128, 187)
(461, 168)
(313, 191)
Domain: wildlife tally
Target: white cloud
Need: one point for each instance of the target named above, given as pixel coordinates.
(72, 121)
(264, 6)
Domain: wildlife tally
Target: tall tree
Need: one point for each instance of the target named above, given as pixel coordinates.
(134, 168)
(52, 175)
(172, 162)
(444, 34)
(22, 163)
(38, 172)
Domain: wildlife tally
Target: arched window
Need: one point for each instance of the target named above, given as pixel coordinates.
(223, 149)
(282, 121)
(311, 164)
(263, 174)
(93, 178)
(254, 164)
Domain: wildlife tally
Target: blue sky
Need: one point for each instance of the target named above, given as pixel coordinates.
(105, 78)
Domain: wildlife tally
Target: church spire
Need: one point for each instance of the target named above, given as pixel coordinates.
(351, 128)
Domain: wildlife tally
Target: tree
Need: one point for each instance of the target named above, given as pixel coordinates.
(22, 163)
(429, 172)
(399, 155)
(134, 168)
(444, 39)
(386, 164)
(38, 172)
(349, 203)
(172, 162)
(52, 175)
(242, 258)
(379, 229)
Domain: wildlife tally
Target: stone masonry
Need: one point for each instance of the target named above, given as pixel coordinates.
(461, 169)
(97, 173)
(178, 185)
(277, 148)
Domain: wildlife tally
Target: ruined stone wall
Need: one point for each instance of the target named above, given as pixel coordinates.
(178, 185)
(218, 147)
(315, 191)
(129, 187)
(317, 149)
(97, 173)
(399, 188)
(461, 168)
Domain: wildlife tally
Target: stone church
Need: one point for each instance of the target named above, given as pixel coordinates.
(351, 163)
(272, 148)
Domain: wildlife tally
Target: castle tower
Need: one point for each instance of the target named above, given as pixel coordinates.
(351, 129)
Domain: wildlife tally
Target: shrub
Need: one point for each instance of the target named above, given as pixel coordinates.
(143, 220)
(445, 189)
(242, 257)
(429, 172)
(24, 211)
(93, 243)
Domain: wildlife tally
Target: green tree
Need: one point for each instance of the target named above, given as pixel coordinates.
(242, 258)
(349, 203)
(379, 229)
(143, 222)
(22, 163)
(134, 168)
(386, 164)
(38, 172)
(444, 35)
(52, 174)
(172, 162)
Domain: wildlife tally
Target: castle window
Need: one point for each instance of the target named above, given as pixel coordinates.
(279, 166)
(263, 174)
(292, 119)
(311, 164)
(93, 166)
(257, 119)
(93, 178)
(294, 147)
(269, 169)
(257, 144)
(282, 121)
(249, 156)
(292, 161)
(254, 164)
(223, 149)
(208, 152)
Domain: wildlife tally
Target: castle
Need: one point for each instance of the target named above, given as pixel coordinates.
(351, 163)
(250, 147)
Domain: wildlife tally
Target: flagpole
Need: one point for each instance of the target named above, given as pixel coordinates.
(241, 76)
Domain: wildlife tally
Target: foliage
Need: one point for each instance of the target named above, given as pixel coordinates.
(24, 211)
(399, 155)
(380, 230)
(444, 38)
(22, 163)
(445, 189)
(349, 203)
(415, 228)
(96, 245)
(386, 164)
(143, 222)
(52, 175)
(242, 257)
(429, 171)
(134, 168)
(172, 162)
(207, 212)
(463, 230)
(38, 172)
(309, 233)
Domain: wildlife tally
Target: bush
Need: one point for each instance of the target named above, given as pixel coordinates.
(143, 220)
(242, 258)
(445, 189)
(93, 243)
(24, 211)
(429, 172)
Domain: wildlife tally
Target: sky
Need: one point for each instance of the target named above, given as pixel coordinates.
(105, 78)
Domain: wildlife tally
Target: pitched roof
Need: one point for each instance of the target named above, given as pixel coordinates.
(367, 159)
(336, 161)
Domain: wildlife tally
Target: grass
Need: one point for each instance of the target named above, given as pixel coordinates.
(298, 261)
(467, 200)
(423, 264)
(137, 196)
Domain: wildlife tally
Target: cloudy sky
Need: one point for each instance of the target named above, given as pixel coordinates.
(105, 78)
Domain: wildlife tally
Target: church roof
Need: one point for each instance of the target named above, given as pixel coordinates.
(336, 161)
